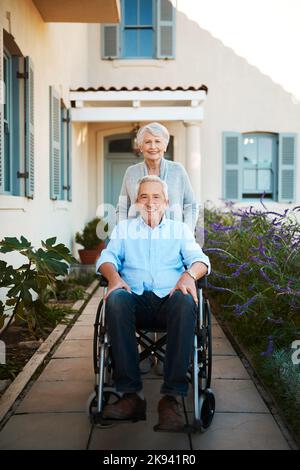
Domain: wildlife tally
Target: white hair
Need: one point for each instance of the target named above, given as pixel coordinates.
(155, 129)
(148, 179)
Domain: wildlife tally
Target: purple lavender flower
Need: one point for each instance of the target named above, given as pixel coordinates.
(240, 309)
(239, 270)
(270, 348)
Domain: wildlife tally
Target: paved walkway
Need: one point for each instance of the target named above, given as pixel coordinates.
(52, 414)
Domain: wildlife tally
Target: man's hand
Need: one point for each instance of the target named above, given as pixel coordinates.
(116, 283)
(187, 286)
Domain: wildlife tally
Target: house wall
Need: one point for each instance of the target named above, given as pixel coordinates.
(59, 54)
(240, 98)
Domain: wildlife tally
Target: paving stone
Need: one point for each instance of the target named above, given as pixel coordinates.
(53, 397)
(241, 431)
(86, 320)
(217, 331)
(75, 348)
(228, 367)
(81, 332)
(137, 436)
(232, 396)
(237, 396)
(68, 369)
(222, 347)
(47, 431)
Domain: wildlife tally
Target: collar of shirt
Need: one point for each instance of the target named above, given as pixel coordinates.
(160, 225)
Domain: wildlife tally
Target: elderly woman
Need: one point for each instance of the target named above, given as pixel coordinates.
(152, 140)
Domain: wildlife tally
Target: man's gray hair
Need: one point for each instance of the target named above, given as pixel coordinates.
(155, 129)
(148, 179)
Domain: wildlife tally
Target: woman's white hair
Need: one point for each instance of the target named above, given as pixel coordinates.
(155, 129)
(156, 179)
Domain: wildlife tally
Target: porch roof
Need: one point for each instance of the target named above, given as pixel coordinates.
(138, 104)
(77, 11)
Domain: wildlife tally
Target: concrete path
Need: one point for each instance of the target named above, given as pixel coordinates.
(52, 414)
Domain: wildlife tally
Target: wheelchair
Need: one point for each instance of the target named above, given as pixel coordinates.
(198, 375)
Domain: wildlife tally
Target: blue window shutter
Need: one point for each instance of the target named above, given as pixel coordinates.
(287, 167)
(63, 151)
(69, 155)
(29, 127)
(16, 149)
(232, 166)
(165, 39)
(1, 113)
(55, 150)
(110, 41)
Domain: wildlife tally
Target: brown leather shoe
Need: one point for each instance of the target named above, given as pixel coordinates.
(170, 415)
(129, 406)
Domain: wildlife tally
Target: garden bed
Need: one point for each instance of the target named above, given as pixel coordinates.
(21, 343)
(255, 291)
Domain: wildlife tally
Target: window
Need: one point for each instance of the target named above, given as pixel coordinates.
(16, 120)
(259, 163)
(60, 149)
(147, 31)
(138, 29)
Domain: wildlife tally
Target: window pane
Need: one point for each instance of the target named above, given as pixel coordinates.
(6, 160)
(146, 43)
(5, 71)
(265, 147)
(250, 150)
(130, 43)
(120, 146)
(146, 12)
(130, 16)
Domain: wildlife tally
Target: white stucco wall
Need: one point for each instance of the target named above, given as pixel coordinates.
(58, 52)
(241, 97)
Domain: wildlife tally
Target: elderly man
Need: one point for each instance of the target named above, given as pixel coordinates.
(149, 287)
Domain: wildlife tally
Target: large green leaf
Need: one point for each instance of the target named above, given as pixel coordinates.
(9, 244)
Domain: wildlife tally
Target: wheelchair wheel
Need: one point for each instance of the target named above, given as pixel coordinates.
(96, 338)
(207, 408)
(204, 338)
(204, 400)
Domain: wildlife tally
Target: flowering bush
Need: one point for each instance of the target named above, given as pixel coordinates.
(256, 263)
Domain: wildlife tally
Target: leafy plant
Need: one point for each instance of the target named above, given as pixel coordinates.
(89, 238)
(256, 260)
(27, 284)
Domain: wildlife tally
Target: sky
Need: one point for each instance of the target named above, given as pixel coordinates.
(265, 32)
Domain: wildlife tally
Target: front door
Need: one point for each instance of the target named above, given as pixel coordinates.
(118, 157)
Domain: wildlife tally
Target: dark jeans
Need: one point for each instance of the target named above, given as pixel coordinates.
(176, 315)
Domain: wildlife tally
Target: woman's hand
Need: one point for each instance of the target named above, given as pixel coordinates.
(187, 286)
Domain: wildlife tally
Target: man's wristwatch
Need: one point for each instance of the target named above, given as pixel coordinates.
(190, 272)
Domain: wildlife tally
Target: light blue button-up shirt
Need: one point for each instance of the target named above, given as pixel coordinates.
(152, 259)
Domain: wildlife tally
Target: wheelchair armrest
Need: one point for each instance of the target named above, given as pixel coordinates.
(202, 282)
(103, 281)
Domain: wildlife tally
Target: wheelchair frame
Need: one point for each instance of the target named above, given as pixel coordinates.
(199, 372)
